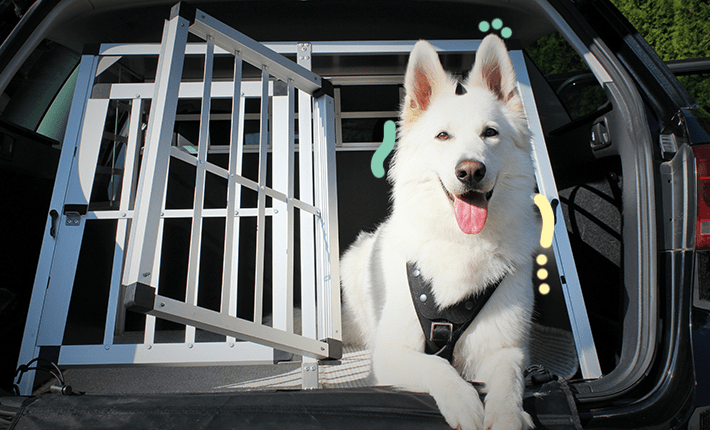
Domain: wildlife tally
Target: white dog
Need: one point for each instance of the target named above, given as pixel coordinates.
(463, 218)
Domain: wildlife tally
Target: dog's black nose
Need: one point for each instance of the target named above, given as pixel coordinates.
(470, 172)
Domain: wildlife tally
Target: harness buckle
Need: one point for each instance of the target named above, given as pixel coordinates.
(441, 332)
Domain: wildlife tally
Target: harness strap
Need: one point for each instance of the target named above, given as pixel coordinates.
(443, 327)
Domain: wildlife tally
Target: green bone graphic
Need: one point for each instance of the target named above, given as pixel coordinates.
(378, 158)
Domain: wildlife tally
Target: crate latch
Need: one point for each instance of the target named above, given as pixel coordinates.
(73, 214)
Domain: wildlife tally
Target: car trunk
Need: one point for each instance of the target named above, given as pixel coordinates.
(606, 189)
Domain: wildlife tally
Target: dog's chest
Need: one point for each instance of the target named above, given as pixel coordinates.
(443, 327)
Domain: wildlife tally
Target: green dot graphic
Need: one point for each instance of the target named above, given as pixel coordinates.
(496, 24)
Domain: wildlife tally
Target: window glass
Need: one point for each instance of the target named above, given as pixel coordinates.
(54, 122)
(40, 93)
(568, 76)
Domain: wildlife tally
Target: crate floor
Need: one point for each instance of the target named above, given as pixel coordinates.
(553, 348)
(353, 371)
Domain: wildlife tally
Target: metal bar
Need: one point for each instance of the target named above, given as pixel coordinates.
(112, 311)
(327, 248)
(305, 195)
(373, 114)
(201, 353)
(81, 181)
(187, 90)
(149, 330)
(234, 192)
(215, 322)
(156, 154)
(261, 205)
(193, 268)
(290, 250)
(216, 213)
(116, 214)
(255, 53)
(147, 49)
(282, 179)
(320, 231)
(309, 366)
(346, 146)
(29, 348)
(338, 119)
(135, 172)
(279, 225)
(377, 47)
(576, 309)
(114, 315)
(319, 48)
(368, 80)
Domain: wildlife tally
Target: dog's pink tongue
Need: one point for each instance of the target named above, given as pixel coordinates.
(471, 215)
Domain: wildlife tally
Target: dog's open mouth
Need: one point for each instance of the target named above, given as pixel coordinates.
(470, 209)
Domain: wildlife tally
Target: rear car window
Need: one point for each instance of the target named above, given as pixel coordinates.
(568, 76)
(39, 96)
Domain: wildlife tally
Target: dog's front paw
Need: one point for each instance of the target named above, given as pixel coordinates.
(502, 417)
(461, 407)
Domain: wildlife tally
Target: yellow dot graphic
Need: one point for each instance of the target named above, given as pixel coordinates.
(541, 260)
(544, 289)
(542, 274)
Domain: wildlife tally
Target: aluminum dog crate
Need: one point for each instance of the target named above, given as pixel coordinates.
(138, 171)
(123, 140)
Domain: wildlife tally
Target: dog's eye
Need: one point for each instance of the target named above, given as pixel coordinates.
(443, 136)
(490, 132)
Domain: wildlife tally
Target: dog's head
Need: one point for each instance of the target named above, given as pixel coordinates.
(460, 142)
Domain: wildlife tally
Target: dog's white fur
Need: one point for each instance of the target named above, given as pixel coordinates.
(378, 309)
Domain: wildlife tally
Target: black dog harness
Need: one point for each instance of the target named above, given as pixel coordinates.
(443, 327)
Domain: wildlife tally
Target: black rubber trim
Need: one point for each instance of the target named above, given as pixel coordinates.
(140, 297)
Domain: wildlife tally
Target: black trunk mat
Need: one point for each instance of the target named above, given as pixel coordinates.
(550, 405)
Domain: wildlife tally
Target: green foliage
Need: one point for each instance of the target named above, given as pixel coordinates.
(675, 29)
(699, 87)
(553, 55)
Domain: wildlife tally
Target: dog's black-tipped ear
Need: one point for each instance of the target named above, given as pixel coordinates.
(493, 70)
(424, 80)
